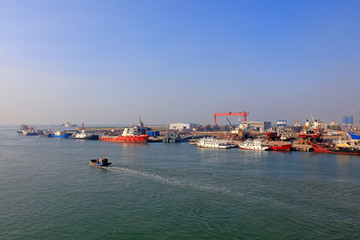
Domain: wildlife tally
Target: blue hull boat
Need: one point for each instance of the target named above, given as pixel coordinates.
(354, 136)
(61, 135)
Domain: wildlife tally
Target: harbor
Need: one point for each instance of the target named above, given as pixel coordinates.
(246, 135)
(50, 191)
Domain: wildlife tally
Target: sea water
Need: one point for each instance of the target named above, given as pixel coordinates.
(172, 191)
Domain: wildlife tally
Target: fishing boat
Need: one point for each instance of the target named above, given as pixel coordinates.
(45, 134)
(85, 135)
(100, 162)
(29, 133)
(215, 143)
(341, 148)
(61, 134)
(256, 144)
(131, 135)
(283, 147)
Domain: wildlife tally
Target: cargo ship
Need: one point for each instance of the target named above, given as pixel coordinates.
(338, 149)
(129, 135)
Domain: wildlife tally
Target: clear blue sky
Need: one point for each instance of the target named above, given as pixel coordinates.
(109, 62)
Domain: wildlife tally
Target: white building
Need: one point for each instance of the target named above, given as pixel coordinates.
(182, 126)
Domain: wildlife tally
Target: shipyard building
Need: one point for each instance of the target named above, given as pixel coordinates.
(182, 126)
(259, 126)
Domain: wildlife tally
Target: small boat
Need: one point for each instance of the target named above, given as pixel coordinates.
(342, 148)
(61, 134)
(194, 142)
(85, 135)
(100, 162)
(283, 147)
(215, 143)
(256, 144)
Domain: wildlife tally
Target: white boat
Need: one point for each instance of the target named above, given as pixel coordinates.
(253, 145)
(215, 143)
(85, 135)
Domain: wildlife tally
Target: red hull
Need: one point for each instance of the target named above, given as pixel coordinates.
(320, 149)
(132, 139)
(309, 135)
(285, 147)
(271, 135)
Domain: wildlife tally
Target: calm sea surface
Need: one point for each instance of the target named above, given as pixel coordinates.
(172, 191)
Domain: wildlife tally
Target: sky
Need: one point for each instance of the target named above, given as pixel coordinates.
(110, 62)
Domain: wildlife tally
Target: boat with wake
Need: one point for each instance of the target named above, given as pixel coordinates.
(100, 162)
(215, 143)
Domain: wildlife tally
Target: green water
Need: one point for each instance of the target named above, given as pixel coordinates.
(173, 191)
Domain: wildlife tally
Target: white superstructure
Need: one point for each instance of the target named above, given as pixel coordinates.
(214, 143)
(253, 145)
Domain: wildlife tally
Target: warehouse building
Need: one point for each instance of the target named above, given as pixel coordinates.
(182, 126)
(259, 126)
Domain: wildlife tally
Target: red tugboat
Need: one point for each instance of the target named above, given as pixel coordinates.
(129, 135)
(334, 149)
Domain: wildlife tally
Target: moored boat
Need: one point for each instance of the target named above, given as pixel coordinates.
(85, 135)
(100, 162)
(29, 133)
(337, 149)
(283, 147)
(61, 134)
(256, 144)
(215, 143)
(309, 134)
(129, 135)
(354, 136)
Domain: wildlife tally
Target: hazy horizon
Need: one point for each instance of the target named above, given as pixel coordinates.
(110, 62)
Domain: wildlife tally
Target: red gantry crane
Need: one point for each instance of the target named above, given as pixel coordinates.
(244, 114)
